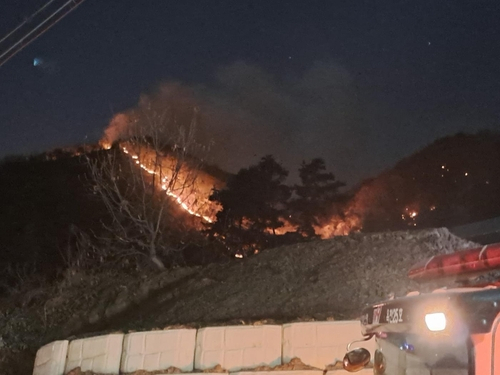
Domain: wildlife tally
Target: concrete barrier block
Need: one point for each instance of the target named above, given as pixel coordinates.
(238, 347)
(320, 344)
(159, 350)
(286, 372)
(365, 371)
(51, 358)
(99, 354)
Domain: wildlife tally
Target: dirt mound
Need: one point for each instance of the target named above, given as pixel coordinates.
(322, 280)
(295, 364)
(315, 280)
(335, 277)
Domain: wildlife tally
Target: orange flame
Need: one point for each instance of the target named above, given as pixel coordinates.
(196, 201)
(193, 201)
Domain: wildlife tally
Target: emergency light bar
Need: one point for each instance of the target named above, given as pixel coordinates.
(472, 261)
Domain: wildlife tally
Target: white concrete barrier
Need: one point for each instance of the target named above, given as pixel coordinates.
(238, 347)
(51, 358)
(159, 350)
(234, 348)
(365, 371)
(320, 344)
(99, 354)
(285, 372)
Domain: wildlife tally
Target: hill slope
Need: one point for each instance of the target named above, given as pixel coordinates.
(42, 201)
(320, 279)
(453, 181)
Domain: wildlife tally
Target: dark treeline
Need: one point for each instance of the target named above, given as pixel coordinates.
(257, 204)
(453, 181)
(44, 204)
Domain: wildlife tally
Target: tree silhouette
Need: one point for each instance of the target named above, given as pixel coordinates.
(142, 177)
(253, 204)
(316, 199)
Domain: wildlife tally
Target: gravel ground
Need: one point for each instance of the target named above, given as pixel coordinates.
(320, 279)
(324, 279)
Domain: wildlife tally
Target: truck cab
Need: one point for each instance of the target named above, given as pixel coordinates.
(445, 331)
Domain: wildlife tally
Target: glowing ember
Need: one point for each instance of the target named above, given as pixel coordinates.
(286, 228)
(410, 215)
(105, 144)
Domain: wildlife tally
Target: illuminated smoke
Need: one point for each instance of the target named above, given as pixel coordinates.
(117, 129)
(248, 116)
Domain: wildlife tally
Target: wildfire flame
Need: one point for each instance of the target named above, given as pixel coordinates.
(196, 201)
(105, 145)
(337, 226)
(334, 227)
(183, 202)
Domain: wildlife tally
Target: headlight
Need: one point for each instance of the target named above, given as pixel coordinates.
(435, 321)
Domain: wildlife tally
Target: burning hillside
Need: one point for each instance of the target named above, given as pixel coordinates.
(173, 108)
(422, 194)
(188, 185)
(46, 199)
(186, 181)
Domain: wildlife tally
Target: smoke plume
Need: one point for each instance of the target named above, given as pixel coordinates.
(248, 113)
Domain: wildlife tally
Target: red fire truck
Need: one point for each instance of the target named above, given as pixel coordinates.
(446, 331)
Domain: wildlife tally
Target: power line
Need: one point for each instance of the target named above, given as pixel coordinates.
(27, 20)
(24, 41)
(22, 45)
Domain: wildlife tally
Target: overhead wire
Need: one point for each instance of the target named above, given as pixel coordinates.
(27, 20)
(5, 56)
(20, 41)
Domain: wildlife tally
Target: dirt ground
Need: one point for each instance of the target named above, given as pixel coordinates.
(317, 280)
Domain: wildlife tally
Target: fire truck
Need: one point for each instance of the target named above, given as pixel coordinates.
(445, 331)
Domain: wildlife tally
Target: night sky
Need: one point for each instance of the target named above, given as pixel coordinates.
(359, 83)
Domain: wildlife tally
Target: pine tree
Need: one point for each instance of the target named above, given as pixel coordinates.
(316, 198)
(252, 203)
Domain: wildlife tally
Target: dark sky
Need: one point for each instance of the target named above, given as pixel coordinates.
(359, 83)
